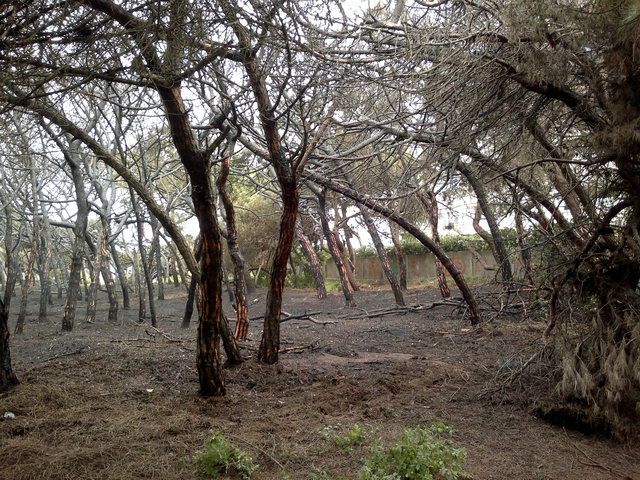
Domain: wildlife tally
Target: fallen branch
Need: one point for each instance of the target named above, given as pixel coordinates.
(401, 310)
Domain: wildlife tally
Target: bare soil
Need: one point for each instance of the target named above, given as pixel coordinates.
(121, 402)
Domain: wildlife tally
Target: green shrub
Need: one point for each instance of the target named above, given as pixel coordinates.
(354, 436)
(221, 457)
(419, 455)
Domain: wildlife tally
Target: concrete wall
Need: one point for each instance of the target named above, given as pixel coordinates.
(419, 267)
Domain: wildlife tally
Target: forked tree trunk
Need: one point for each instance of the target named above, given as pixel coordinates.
(77, 250)
(334, 250)
(314, 261)
(400, 257)
(382, 255)
(431, 207)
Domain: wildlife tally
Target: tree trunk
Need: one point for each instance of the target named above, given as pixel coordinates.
(141, 287)
(335, 251)
(431, 207)
(92, 295)
(26, 285)
(8, 378)
(525, 257)
(122, 277)
(474, 310)
(402, 260)
(239, 275)
(143, 257)
(382, 255)
(77, 250)
(157, 256)
(193, 288)
(105, 270)
(314, 261)
(270, 343)
(483, 202)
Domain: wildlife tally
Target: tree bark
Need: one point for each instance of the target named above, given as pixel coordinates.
(148, 281)
(335, 251)
(481, 195)
(77, 250)
(402, 260)
(382, 255)
(8, 378)
(314, 261)
(26, 286)
(431, 207)
(122, 277)
(239, 274)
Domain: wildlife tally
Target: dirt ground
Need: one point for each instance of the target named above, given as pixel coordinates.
(121, 402)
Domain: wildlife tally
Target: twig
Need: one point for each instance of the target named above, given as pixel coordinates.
(595, 464)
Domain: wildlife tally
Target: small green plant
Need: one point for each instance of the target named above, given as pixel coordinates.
(221, 457)
(388, 412)
(354, 436)
(420, 454)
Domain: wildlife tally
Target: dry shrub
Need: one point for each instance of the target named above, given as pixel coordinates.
(601, 367)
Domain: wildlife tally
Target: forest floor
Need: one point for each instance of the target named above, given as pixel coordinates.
(121, 401)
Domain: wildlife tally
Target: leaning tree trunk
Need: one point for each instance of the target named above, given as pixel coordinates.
(382, 255)
(525, 256)
(240, 286)
(483, 202)
(402, 259)
(314, 261)
(431, 207)
(335, 251)
(472, 304)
